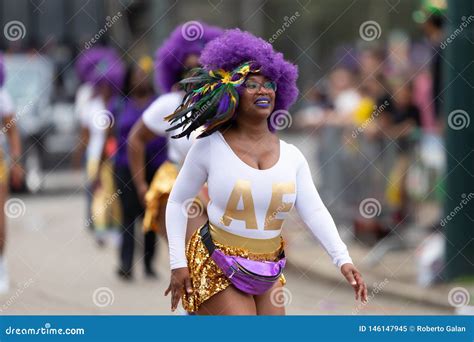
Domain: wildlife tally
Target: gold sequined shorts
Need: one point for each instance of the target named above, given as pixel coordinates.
(157, 195)
(206, 277)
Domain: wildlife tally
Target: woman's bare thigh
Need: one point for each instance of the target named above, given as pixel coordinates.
(272, 301)
(229, 302)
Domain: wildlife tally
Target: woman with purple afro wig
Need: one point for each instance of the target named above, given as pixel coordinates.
(232, 265)
(173, 57)
(11, 174)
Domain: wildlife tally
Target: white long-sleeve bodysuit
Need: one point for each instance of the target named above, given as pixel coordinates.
(246, 201)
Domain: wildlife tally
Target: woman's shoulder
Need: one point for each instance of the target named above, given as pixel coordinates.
(201, 144)
(292, 152)
(167, 100)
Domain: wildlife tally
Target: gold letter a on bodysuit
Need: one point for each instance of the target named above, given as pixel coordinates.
(242, 189)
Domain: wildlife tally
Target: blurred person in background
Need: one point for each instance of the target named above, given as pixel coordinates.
(423, 86)
(311, 115)
(136, 96)
(105, 71)
(335, 152)
(16, 174)
(400, 121)
(343, 96)
(174, 59)
(372, 72)
(84, 95)
(432, 20)
(371, 62)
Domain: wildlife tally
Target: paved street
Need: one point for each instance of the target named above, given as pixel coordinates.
(56, 268)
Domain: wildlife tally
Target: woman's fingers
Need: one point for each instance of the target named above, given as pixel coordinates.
(351, 280)
(362, 287)
(354, 278)
(187, 284)
(176, 295)
(364, 292)
(359, 286)
(168, 290)
(179, 283)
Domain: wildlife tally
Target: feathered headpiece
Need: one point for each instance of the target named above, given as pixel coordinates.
(211, 99)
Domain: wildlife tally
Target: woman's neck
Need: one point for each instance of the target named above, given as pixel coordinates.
(251, 130)
(141, 99)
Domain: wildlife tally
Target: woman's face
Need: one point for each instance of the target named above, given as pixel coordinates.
(140, 81)
(191, 61)
(257, 97)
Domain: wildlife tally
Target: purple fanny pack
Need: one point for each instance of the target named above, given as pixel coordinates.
(250, 276)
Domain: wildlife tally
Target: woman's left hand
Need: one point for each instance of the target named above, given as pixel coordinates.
(354, 278)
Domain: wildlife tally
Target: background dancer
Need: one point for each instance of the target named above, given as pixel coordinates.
(174, 59)
(137, 95)
(106, 73)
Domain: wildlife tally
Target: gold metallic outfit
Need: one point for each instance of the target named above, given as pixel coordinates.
(207, 278)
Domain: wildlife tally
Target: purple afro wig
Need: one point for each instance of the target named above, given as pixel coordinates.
(188, 38)
(2, 70)
(235, 47)
(101, 65)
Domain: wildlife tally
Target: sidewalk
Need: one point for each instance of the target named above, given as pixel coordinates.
(394, 275)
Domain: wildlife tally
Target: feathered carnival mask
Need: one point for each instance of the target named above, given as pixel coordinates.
(211, 99)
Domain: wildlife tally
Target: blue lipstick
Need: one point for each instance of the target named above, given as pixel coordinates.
(263, 102)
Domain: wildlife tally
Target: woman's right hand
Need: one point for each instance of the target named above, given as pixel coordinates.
(179, 281)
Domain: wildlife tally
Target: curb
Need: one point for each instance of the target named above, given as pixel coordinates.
(430, 296)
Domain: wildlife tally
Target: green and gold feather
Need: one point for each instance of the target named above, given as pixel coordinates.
(211, 99)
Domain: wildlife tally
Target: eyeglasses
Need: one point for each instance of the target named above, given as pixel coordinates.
(254, 87)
